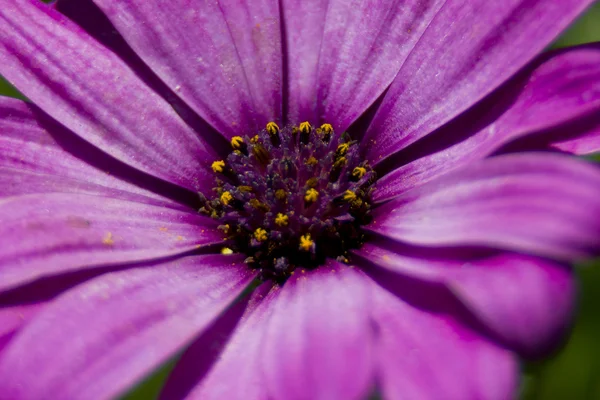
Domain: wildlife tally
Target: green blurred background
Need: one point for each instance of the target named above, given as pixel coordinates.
(574, 371)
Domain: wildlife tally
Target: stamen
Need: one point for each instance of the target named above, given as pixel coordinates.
(272, 128)
(305, 128)
(281, 219)
(342, 149)
(260, 234)
(237, 142)
(311, 195)
(218, 166)
(226, 251)
(359, 172)
(306, 243)
(226, 198)
(311, 161)
(280, 194)
(349, 195)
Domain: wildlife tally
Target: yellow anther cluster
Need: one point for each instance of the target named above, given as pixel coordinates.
(260, 234)
(237, 142)
(281, 219)
(326, 129)
(311, 161)
(306, 242)
(311, 195)
(272, 128)
(305, 127)
(280, 194)
(359, 172)
(349, 195)
(226, 198)
(254, 139)
(218, 166)
(342, 149)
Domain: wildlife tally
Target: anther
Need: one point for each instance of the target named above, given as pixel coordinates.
(281, 219)
(237, 142)
(342, 149)
(261, 154)
(349, 196)
(260, 234)
(226, 198)
(311, 161)
(358, 173)
(218, 166)
(305, 128)
(280, 195)
(226, 251)
(311, 195)
(273, 131)
(306, 243)
(326, 130)
(336, 169)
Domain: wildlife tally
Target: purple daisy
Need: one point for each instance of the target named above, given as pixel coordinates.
(298, 199)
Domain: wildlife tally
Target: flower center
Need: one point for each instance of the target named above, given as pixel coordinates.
(291, 198)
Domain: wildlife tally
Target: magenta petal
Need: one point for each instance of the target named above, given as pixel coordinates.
(92, 92)
(526, 302)
(229, 352)
(54, 233)
(545, 204)
(345, 53)
(317, 344)
(12, 318)
(586, 142)
(37, 155)
(560, 88)
(223, 58)
(104, 336)
(468, 50)
(423, 355)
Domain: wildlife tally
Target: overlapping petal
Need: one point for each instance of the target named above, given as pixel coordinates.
(223, 58)
(468, 50)
(229, 352)
(318, 339)
(134, 319)
(524, 301)
(558, 89)
(92, 92)
(544, 204)
(343, 54)
(422, 355)
(62, 232)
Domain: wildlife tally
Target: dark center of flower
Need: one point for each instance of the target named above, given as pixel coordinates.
(291, 198)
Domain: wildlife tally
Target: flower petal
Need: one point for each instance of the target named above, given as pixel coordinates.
(558, 88)
(91, 91)
(318, 338)
(345, 53)
(525, 301)
(468, 50)
(38, 155)
(104, 336)
(587, 142)
(53, 233)
(545, 204)
(229, 350)
(423, 355)
(223, 58)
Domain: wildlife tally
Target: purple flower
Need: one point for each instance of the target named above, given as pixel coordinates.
(200, 179)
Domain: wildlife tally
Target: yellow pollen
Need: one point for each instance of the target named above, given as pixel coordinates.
(218, 166)
(311, 195)
(226, 197)
(349, 195)
(272, 128)
(305, 127)
(260, 234)
(237, 142)
(226, 251)
(306, 242)
(281, 219)
(327, 129)
(311, 161)
(108, 239)
(254, 139)
(359, 172)
(280, 194)
(342, 149)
